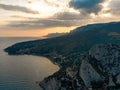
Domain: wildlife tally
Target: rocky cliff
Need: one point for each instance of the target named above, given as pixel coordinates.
(98, 69)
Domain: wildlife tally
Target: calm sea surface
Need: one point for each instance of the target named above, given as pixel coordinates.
(22, 72)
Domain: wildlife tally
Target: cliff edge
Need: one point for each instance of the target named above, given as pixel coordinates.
(98, 69)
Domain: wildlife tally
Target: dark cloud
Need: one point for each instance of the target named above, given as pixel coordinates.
(17, 8)
(88, 6)
(70, 16)
(40, 23)
(61, 19)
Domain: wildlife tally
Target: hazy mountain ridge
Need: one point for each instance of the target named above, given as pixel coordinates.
(79, 70)
(52, 35)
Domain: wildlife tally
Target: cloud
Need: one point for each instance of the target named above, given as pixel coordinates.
(88, 6)
(22, 17)
(51, 3)
(114, 7)
(17, 8)
(39, 24)
(70, 16)
(31, 1)
(61, 19)
(48, 2)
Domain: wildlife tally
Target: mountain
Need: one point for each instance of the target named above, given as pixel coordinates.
(100, 26)
(81, 66)
(78, 41)
(52, 35)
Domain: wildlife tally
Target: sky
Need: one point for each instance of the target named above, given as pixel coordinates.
(35, 18)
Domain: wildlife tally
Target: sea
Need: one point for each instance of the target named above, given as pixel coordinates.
(22, 72)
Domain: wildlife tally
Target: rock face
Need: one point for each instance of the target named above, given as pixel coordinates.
(101, 64)
(88, 73)
(52, 84)
(99, 69)
(107, 57)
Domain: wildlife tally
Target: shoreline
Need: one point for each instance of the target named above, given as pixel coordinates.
(42, 83)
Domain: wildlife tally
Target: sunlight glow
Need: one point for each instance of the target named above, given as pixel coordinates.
(48, 7)
(105, 5)
(106, 15)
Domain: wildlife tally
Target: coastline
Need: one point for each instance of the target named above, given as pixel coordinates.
(43, 84)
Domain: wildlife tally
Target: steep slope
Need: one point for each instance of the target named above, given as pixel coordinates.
(101, 64)
(99, 69)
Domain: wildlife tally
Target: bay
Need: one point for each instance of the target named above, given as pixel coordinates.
(21, 72)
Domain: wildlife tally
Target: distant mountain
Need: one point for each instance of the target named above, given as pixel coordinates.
(52, 35)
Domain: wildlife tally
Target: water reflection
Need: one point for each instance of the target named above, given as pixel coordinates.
(22, 72)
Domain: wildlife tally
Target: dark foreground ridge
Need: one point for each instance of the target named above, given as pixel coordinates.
(80, 67)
